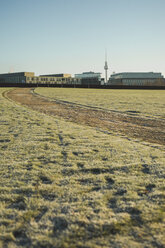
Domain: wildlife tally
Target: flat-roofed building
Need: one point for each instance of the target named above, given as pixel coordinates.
(89, 78)
(30, 78)
(53, 79)
(15, 78)
(89, 75)
(61, 78)
(62, 75)
(137, 79)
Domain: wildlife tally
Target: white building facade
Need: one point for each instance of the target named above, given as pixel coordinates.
(88, 75)
(136, 79)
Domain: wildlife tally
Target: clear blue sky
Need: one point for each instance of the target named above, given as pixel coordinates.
(70, 36)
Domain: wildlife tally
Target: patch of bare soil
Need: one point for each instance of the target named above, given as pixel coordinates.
(150, 130)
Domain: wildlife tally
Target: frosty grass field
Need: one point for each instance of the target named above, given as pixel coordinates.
(68, 185)
(147, 103)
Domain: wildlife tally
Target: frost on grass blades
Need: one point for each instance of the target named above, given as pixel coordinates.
(69, 185)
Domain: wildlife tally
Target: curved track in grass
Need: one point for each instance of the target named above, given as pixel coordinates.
(149, 130)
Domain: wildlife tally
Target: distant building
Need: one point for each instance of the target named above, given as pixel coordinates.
(137, 79)
(89, 78)
(56, 78)
(30, 78)
(88, 75)
(57, 75)
(15, 78)
(86, 79)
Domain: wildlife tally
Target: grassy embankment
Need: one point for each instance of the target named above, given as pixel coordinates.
(67, 185)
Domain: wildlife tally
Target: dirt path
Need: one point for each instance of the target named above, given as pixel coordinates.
(149, 130)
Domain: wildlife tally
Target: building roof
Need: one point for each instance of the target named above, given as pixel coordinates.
(89, 74)
(57, 75)
(18, 74)
(127, 75)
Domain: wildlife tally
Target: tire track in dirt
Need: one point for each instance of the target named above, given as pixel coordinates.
(150, 130)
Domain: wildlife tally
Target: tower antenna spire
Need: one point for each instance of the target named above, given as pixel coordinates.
(106, 67)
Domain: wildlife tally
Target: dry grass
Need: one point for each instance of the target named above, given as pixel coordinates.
(67, 185)
(148, 103)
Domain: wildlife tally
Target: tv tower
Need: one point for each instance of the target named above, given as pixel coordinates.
(106, 68)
